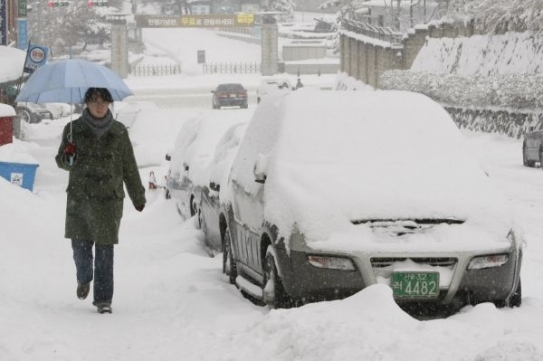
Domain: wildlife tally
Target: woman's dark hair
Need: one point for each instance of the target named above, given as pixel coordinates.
(95, 93)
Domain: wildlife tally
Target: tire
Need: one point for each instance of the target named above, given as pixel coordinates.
(516, 299)
(273, 291)
(244, 106)
(193, 207)
(26, 115)
(541, 157)
(229, 267)
(525, 160)
(201, 222)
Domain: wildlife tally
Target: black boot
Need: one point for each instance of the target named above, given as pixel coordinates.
(83, 291)
(104, 308)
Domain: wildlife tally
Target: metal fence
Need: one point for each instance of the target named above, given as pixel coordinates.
(231, 68)
(155, 69)
(375, 32)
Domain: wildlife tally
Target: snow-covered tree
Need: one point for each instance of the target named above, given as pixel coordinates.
(63, 27)
(500, 16)
(286, 7)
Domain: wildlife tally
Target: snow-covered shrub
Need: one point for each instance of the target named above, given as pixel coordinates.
(517, 91)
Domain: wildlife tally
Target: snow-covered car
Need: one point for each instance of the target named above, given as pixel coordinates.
(35, 113)
(271, 85)
(532, 146)
(320, 206)
(209, 210)
(193, 151)
(127, 112)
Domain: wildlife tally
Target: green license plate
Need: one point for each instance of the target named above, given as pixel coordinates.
(415, 284)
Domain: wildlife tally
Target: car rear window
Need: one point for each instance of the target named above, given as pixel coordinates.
(230, 88)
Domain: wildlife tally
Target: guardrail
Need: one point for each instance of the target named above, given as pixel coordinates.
(372, 31)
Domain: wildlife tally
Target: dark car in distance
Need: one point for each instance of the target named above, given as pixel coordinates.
(229, 95)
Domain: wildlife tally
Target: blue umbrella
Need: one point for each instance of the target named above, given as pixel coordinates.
(67, 81)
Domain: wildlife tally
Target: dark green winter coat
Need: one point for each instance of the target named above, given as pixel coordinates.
(95, 188)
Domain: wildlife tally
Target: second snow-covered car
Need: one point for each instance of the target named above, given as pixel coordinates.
(271, 85)
(210, 201)
(332, 192)
(193, 151)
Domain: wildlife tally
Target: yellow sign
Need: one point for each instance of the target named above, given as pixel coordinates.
(248, 19)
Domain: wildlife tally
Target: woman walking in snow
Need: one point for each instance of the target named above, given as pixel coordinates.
(97, 152)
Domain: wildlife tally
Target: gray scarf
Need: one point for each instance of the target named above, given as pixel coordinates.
(99, 126)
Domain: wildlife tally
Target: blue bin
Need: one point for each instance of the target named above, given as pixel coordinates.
(20, 174)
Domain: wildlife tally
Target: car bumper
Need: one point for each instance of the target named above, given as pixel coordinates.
(232, 102)
(306, 282)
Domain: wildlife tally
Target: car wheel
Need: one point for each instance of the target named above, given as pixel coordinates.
(273, 292)
(25, 115)
(516, 299)
(214, 106)
(244, 106)
(229, 267)
(167, 194)
(258, 100)
(525, 160)
(193, 207)
(541, 157)
(202, 222)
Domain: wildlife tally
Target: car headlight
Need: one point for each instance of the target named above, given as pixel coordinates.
(339, 263)
(488, 261)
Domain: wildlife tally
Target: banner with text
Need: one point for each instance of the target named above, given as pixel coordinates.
(21, 9)
(195, 21)
(22, 33)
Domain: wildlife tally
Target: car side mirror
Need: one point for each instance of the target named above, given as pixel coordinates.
(214, 186)
(168, 157)
(260, 169)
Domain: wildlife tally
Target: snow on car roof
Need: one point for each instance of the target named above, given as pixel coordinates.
(198, 139)
(355, 156)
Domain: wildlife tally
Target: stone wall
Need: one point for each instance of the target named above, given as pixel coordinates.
(365, 57)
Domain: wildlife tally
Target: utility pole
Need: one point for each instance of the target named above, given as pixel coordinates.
(424, 4)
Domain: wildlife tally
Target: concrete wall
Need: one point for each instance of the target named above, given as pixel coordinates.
(304, 49)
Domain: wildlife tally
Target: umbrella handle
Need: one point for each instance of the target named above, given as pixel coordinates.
(70, 140)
